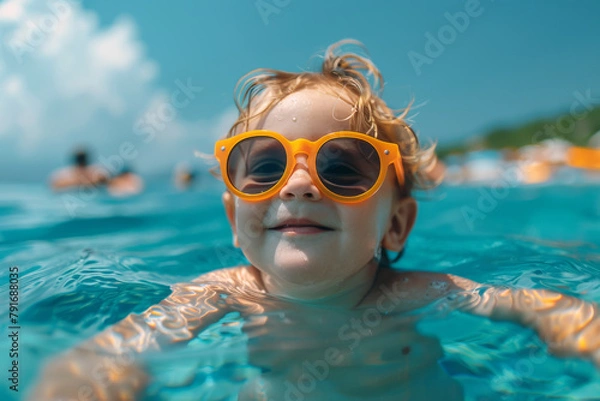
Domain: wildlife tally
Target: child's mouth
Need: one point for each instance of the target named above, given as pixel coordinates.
(300, 226)
(301, 229)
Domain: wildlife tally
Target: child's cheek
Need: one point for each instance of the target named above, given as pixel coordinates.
(375, 220)
(250, 220)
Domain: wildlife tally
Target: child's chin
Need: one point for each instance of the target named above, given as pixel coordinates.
(300, 269)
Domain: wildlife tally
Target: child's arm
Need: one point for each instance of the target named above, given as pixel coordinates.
(570, 326)
(104, 368)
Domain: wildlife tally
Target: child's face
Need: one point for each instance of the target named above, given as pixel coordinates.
(312, 256)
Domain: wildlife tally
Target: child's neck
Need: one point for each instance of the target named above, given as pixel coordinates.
(346, 293)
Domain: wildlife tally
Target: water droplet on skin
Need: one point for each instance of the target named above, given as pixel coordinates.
(294, 119)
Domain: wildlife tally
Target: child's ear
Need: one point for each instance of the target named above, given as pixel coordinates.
(402, 219)
(229, 204)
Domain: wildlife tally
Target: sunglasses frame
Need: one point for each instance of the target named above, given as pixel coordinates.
(388, 152)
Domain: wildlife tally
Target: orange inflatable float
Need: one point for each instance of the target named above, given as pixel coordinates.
(583, 157)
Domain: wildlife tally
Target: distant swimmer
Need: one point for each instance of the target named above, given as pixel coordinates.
(125, 183)
(80, 174)
(184, 177)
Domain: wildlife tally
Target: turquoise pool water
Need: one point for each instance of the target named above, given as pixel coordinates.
(86, 261)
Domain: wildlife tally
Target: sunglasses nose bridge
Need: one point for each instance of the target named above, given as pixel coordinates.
(303, 147)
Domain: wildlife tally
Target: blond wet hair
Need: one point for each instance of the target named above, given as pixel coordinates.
(354, 79)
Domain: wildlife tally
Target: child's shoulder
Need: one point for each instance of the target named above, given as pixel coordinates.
(412, 289)
(423, 280)
(413, 278)
(214, 287)
(239, 277)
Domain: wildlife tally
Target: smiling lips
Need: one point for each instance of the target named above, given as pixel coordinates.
(300, 226)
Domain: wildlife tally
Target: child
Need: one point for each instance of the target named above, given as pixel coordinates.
(319, 174)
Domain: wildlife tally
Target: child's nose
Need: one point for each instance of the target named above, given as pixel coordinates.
(300, 184)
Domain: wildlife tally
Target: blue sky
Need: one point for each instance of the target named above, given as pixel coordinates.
(91, 77)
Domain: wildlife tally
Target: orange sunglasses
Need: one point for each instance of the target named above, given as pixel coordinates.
(346, 166)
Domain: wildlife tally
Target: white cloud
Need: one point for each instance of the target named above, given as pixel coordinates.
(11, 10)
(66, 81)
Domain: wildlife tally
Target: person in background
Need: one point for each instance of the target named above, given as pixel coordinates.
(125, 183)
(80, 174)
(184, 177)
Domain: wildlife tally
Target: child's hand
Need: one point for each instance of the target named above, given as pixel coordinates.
(82, 375)
(570, 326)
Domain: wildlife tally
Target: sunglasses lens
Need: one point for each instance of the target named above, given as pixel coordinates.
(348, 166)
(256, 164)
